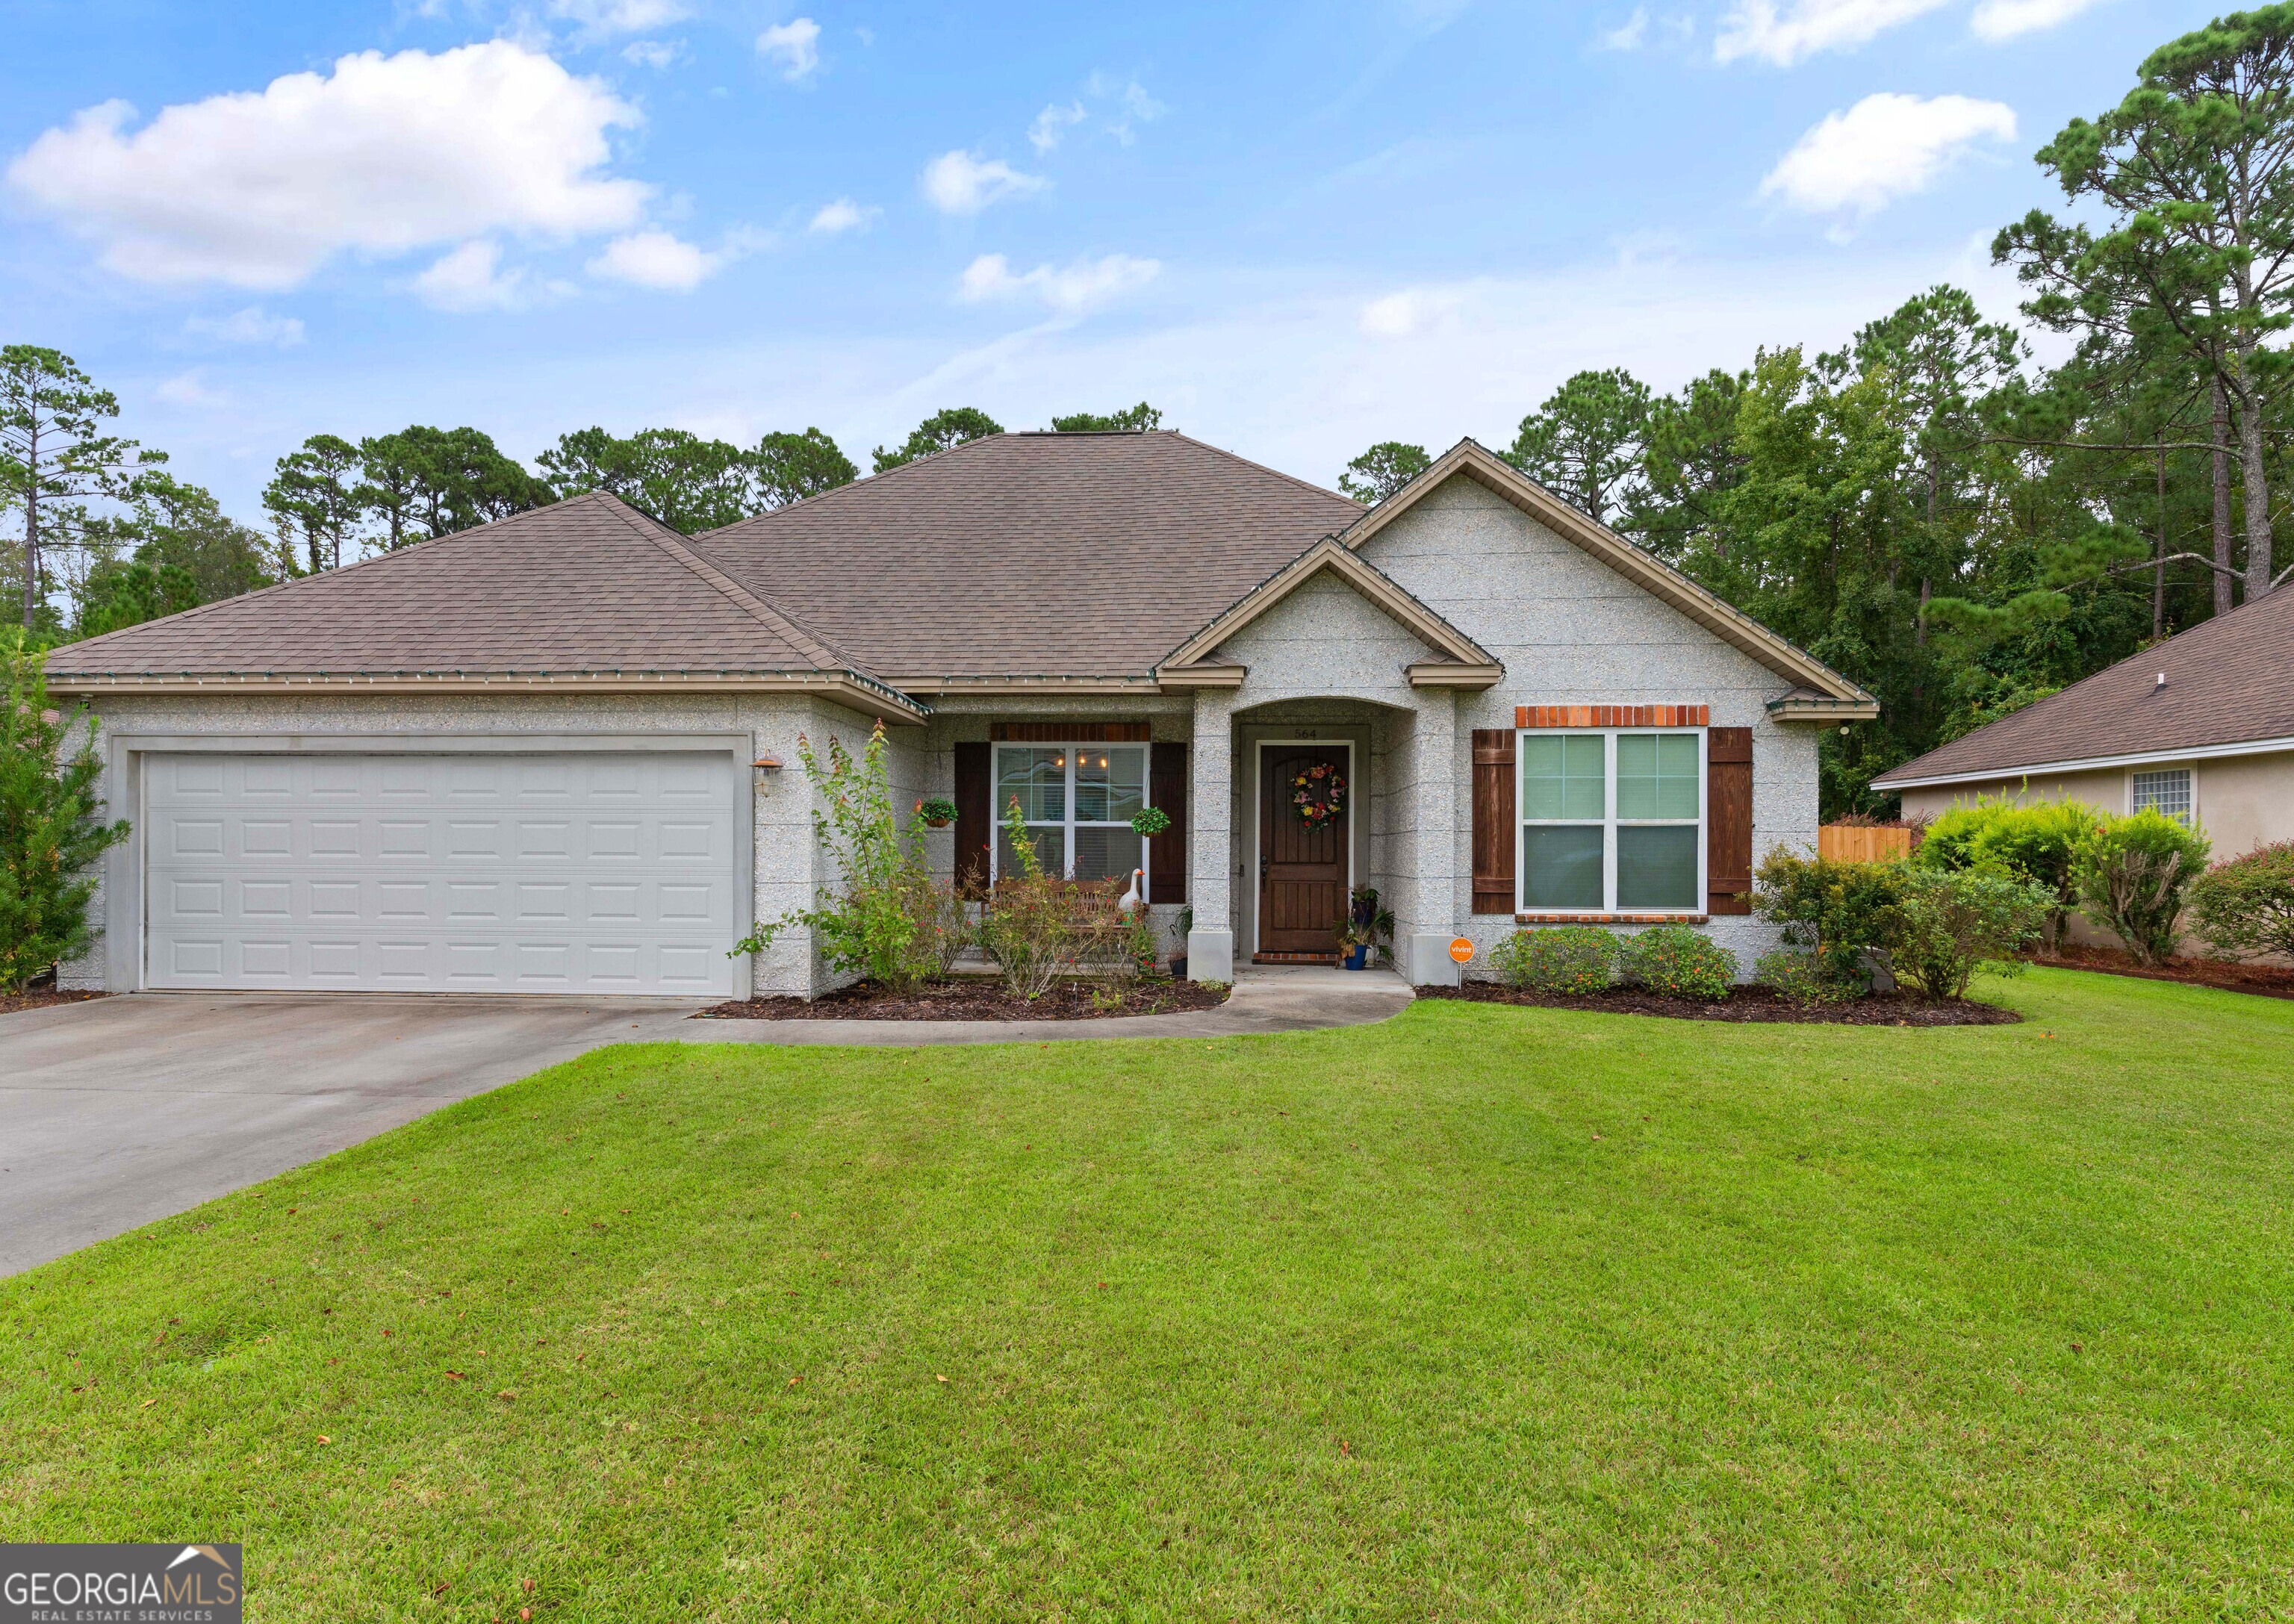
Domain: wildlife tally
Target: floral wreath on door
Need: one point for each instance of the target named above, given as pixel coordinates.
(1319, 793)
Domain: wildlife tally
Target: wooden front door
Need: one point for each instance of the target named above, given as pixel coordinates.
(1302, 866)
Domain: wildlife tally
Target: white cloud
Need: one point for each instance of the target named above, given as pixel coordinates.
(185, 389)
(1884, 148)
(659, 260)
(794, 45)
(1757, 27)
(1069, 289)
(841, 216)
(260, 188)
(959, 183)
(470, 277)
(1053, 124)
(1628, 34)
(252, 325)
(1131, 103)
(599, 18)
(2002, 19)
(653, 52)
(1409, 313)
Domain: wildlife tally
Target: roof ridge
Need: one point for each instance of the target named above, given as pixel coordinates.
(766, 613)
(854, 483)
(1303, 484)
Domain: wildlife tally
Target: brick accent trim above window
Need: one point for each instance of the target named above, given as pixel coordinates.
(1069, 732)
(1612, 716)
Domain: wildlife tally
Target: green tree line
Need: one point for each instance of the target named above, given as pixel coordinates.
(1929, 511)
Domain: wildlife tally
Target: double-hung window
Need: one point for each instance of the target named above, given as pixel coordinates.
(1078, 801)
(1611, 821)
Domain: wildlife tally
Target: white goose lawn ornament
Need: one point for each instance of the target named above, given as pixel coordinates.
(1131, 900)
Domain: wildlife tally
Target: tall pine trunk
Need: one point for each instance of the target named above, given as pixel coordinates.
(2222, 582)
(32, 527)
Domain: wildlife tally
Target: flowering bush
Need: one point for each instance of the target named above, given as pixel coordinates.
(1576, 959)
(2245, 905)
(1679, 961)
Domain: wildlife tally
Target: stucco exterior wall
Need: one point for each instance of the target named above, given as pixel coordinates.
(787, 864)
(1571, 630)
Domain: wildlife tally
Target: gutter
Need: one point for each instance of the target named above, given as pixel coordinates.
(2088, 764)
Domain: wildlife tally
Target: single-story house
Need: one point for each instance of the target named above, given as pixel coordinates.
(2200, 727)
(558, 754)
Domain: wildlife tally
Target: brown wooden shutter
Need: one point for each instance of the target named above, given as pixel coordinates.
(975, 818)
(1494, 835)
(1728, 820)
(1166, 853)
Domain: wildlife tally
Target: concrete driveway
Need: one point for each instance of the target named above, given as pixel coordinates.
(121, 1110)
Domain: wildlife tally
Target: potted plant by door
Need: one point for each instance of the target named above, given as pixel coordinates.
(1367, 924)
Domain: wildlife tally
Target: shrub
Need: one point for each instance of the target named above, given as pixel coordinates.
(1798, 974)
(1679, 962)
(1836, 912)
(1034, 925)
(2132, 874)
(888, 920)
(1567, 958)
(52, 831)
(2038, 843)
(2245, 905)
(1951, 922)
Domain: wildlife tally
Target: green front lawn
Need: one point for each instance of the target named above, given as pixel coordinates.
(1481, 1313)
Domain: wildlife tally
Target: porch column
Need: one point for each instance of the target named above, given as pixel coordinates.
(1210, 807)
(1432, 842)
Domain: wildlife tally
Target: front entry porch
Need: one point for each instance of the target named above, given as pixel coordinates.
(1321, 796)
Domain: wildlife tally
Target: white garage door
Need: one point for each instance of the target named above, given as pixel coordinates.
(574, 873)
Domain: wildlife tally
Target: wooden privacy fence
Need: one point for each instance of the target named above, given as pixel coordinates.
(1856, 843)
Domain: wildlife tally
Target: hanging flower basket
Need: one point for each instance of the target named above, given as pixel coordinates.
(1319, 793)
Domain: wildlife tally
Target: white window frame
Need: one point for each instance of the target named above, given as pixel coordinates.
(1001, 806)
(2190, 814)
(1609, 822)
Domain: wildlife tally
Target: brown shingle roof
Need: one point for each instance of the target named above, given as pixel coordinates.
(1032, 554)
(586, 585)
(2229, 681)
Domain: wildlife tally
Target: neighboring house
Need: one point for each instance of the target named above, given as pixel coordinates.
(559, 753)
(2200, 727)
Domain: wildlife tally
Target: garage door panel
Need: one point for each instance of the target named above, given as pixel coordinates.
(560, 874)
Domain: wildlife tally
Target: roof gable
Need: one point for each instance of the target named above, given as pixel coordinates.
(1451, 647)
(1828, 694)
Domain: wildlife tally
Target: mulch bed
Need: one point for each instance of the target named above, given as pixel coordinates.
(2269, 980)
(1746, 1004)
(978, 998)
(41, 997)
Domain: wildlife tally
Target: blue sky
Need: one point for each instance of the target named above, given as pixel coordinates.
(1298, 229)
